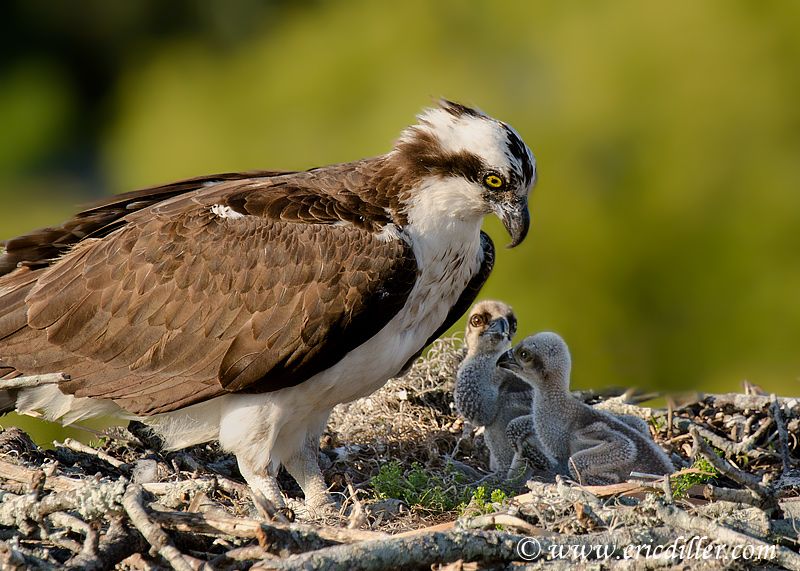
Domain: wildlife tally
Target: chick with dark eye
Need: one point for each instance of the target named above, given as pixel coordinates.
(591, 445)
(478, 320)
(484, 394)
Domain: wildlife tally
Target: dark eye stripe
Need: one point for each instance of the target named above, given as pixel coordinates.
(520, 152)
(512, 322)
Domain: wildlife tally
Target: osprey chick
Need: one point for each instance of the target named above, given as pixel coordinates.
(244, 306)
(485, 394)
(595, 446)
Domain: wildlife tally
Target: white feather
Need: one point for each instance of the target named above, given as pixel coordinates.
(65, 409)
(480, 135)
(226, 212)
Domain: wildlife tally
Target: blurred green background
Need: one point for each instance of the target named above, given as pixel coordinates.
(666, 237)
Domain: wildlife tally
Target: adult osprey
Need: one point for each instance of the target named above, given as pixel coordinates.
(244, 307)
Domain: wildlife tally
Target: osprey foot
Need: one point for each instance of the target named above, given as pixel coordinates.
(318, 508)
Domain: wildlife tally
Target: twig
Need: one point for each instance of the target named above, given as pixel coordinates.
(621, 405)
(10, 558)
(670, 416)
(753, 402)
(357, 517)
(417, 551)
(716, 493)
(783, 435)
(667, 487)
(266, 509)
(92, 502)
(724, 467)
(76, 446)
(247, 553)
(33, 381)
(118, 543)
(16, 473)
(492, 520)
(728, 446)
(231, 487)
(176, 494)
(423, 550)
(750, 442)
(133, 502)
(14, 557)
(36, 486)
(240, 527)
(87, 559)
(671, 515)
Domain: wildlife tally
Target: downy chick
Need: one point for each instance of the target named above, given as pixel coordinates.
(484, 394)
(593, 446)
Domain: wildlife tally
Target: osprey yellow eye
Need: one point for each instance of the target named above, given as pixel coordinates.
(493, 180)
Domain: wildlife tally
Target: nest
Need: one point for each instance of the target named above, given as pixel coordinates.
(124, 503)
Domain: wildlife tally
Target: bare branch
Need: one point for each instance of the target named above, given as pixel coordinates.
(783, 435)
(133, 503)
(674, 516)
(724, 467)
(33, 381)
(76, 446)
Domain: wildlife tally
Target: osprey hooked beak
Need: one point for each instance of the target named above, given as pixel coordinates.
(512, 210)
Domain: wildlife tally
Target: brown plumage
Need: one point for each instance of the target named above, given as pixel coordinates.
(169, 308)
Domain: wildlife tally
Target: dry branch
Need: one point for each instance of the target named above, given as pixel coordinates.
(33, 381)
(671, 515)
(750, 402)
(74, 507)
(749, 481)
(783, 435)
(406, 552)
(73, 444)
(133, 503)
(272, 534)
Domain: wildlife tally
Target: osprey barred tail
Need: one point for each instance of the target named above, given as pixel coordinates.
(243, 307)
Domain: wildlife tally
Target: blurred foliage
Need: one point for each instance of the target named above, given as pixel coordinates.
(665, 237)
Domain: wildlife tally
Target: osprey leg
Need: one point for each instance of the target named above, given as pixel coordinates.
(266, 484)
(304, 467)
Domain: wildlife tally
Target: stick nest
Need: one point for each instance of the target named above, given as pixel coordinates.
(411, 477)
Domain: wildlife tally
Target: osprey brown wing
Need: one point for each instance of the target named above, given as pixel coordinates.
(181, 304)
(40, 247)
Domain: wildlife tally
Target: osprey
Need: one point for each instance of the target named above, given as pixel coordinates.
(244, 307)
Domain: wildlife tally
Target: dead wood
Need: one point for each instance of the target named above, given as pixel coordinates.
(127, 503)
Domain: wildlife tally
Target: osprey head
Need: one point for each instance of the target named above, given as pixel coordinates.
(541, 360)
(470, 165)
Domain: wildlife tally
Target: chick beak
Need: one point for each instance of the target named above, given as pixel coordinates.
(508, 362)
(499, 327)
